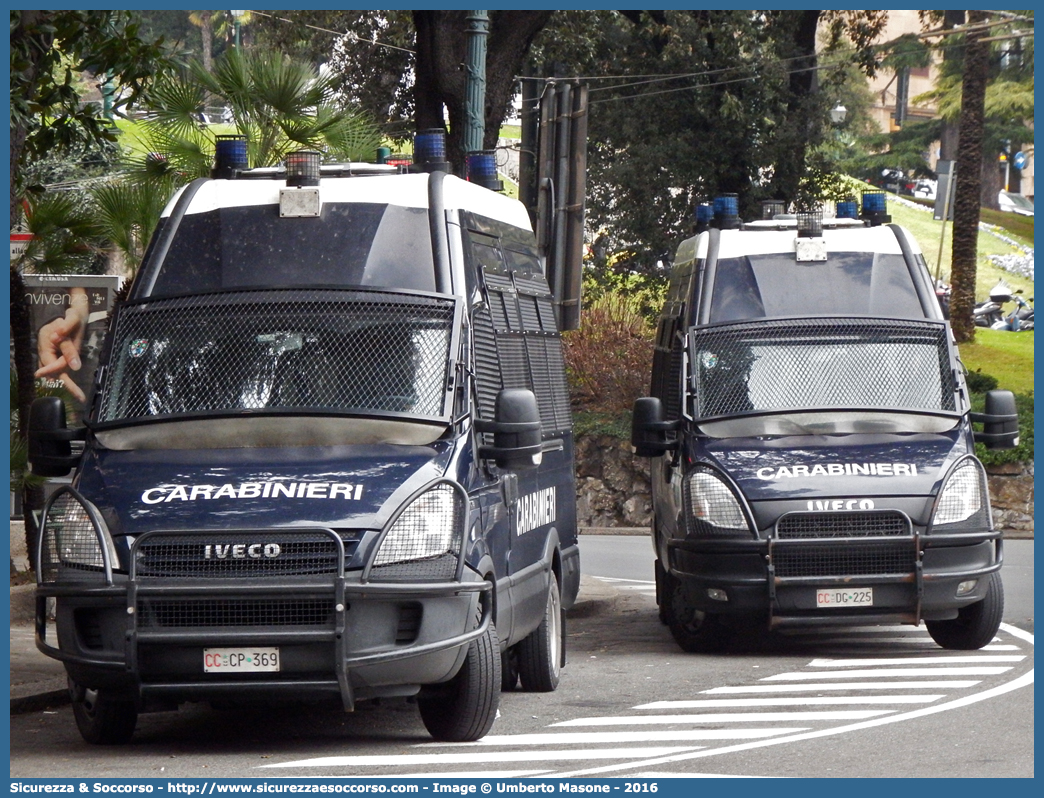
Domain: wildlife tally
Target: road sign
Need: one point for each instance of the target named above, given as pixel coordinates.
(1019, 161)
(19, 241)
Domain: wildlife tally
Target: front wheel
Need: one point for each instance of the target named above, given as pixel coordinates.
(463, 709)
(976, 624)
(692, 629)
(540, 653)
(101, 719)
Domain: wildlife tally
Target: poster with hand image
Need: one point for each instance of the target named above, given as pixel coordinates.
(69, 314)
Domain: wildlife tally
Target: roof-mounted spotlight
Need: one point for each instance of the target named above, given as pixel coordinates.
(482, 169)
(301, 195)
(302, 168)
(770, 208)
(230, 156)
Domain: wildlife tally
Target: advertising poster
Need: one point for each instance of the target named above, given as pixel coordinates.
(69, 313)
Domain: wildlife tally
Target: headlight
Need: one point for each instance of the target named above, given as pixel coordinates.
(424, 542)
(714, 510)
(963, 497)
(72, 539)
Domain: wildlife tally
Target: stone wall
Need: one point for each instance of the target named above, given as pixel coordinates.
(1011, 495)
(613, 488)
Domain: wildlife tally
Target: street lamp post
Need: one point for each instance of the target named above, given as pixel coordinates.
(235, 24)
(838, 114)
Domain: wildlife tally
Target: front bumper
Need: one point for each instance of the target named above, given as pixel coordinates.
(914, 577)
(337, 634)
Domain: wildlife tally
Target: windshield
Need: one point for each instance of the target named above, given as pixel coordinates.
(349, 244)
(816, 367)
(848, 283)
(292, 352)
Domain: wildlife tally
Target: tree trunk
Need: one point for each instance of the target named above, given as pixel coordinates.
(441, 48)
(948, 134)
(795, 138)
(968, 192)
(25, 366)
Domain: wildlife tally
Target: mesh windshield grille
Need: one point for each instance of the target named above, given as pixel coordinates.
(813, 364)
(188, 613)
(237, 555)
(851, 559)
(284, 350)
(840, 525)
(70, 541)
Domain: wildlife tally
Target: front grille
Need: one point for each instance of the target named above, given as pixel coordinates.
(842, 525)
(156, 613)
(224, 555)
(849, 559)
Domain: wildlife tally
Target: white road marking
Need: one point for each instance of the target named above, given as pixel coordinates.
(413, 760)
(791, 701)
(847, 663)
(887, 673)
(781, 688)
(594, 738)
(1015, 684)
(726, 717)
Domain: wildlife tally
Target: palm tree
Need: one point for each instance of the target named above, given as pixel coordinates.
(280, 105)
(66, 236)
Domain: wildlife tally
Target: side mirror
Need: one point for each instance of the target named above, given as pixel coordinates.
(1000, 422)
(517, 444)
(649, 429)
(50, 450)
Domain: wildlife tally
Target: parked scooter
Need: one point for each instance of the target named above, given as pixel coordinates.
(991, 312)
(1020, 319)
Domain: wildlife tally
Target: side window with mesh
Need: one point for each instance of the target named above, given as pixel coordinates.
(516, 339)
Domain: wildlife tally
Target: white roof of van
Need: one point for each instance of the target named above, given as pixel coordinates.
(408, 191)
(740, 243)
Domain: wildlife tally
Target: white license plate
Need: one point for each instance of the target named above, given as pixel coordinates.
(241, 660)
(829, 597)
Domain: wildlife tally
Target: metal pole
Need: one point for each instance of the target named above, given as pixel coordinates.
(947, 200)
(475, 81)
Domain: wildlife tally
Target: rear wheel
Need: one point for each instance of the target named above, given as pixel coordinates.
(540, 654)
(661, 591)
(976, 624)
(101, 719)
(692, 629)
(508, 670)
(464, 708)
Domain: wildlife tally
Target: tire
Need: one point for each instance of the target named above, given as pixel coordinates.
(693, 630)
(976, 624)
(661, 591)
(508, 670)
(463, 709)
(542, 652)
(101, 719)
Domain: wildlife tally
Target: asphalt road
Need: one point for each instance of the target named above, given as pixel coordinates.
(868, 702)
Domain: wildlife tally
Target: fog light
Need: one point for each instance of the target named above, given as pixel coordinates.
(717, 594)
(964, 588)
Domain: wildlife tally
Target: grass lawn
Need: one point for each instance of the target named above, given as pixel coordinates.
(927, 231)
(1005, 355)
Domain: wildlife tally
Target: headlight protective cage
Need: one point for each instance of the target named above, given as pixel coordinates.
(423, 541)
(714, 508)
(74, 544)
(963, 503)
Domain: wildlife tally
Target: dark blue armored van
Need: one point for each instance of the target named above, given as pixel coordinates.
(329, 456)
(811, 436)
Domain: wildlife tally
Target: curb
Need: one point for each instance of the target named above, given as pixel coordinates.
(39, 701)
